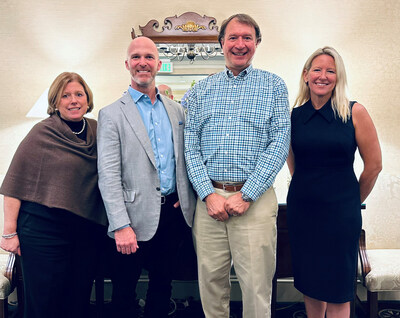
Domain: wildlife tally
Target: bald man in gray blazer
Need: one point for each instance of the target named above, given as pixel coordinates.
(144, 184)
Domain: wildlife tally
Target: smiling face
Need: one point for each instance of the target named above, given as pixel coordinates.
(239, 45)
(73, 102)
(142, 63)
(321, 77)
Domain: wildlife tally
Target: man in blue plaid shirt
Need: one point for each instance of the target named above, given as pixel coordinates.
(237, 139)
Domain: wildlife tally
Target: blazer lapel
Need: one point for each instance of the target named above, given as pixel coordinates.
(174, 120)
(134, 119)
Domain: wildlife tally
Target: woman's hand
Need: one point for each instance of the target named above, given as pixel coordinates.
(11, 245)
(11, 212)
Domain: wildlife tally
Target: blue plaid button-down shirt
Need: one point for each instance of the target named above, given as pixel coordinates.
(237, 129)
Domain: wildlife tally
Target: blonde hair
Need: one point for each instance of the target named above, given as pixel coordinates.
(340, 101)
(58, 86)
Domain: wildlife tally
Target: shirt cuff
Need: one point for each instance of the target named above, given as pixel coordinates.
(122, 227)
(205, 190)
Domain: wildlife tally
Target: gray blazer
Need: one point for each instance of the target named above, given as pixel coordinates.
(128, 178)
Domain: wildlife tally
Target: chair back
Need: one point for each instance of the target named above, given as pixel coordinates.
(381, 219)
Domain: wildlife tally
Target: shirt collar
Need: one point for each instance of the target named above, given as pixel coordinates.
(242, 74)
(136, 95)
(325, 111)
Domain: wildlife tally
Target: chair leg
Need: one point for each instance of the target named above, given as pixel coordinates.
(2, 311)
(359, 307)
(4, 308)
(372, 300)
(352, 309)
(20, 287)
(273, 297)
(99, 288)
(353, 302)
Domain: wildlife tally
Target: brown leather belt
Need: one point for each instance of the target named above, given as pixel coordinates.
(228, 186)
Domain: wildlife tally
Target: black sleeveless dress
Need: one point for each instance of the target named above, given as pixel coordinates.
(323, 204)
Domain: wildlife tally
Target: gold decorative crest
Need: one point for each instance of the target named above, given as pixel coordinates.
(190, 26)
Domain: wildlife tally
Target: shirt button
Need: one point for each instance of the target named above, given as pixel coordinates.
(162, 156)
(158, 139)
(227, 135)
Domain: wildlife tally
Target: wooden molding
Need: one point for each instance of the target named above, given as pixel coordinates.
(190, 27)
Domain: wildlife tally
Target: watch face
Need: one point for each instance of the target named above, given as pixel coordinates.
(246, 198)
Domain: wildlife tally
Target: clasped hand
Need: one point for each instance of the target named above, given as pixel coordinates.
(220, 208)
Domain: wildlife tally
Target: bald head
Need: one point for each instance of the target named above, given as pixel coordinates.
(143, 63)
(165, 90)
(140, 42)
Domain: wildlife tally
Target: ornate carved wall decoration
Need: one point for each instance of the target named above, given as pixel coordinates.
(190, 27)
(190, 35)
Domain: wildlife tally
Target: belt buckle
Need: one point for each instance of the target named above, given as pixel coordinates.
(163, 199)
(228, 184)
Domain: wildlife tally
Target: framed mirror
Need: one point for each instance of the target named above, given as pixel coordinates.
(188, 47)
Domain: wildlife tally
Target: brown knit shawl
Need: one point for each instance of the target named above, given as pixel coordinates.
(55, 168)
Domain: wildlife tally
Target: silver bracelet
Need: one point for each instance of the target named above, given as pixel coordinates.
(8, 236)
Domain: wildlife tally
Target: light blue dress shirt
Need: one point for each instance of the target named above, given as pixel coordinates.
(158, 126)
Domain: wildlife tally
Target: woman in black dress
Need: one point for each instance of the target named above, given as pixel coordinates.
(324, 199)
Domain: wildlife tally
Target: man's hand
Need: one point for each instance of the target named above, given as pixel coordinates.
(235, 205)
(216, 207)
(125, 240)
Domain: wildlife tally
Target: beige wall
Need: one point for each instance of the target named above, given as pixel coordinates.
(40, 39)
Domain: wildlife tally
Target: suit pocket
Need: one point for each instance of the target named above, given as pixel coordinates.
(129, 196)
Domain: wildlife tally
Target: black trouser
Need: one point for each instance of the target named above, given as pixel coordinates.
(156, 256)
(58, 257)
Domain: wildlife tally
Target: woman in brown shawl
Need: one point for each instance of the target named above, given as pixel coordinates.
(53, 210)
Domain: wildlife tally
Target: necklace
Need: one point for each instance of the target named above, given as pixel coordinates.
(83, 128)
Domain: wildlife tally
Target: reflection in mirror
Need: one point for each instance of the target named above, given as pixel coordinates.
(189, 48)
(192, 51)
(179, 75)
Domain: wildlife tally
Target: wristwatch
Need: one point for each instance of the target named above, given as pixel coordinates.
(246, 198)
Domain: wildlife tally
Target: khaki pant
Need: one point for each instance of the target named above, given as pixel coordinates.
(249, 241)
